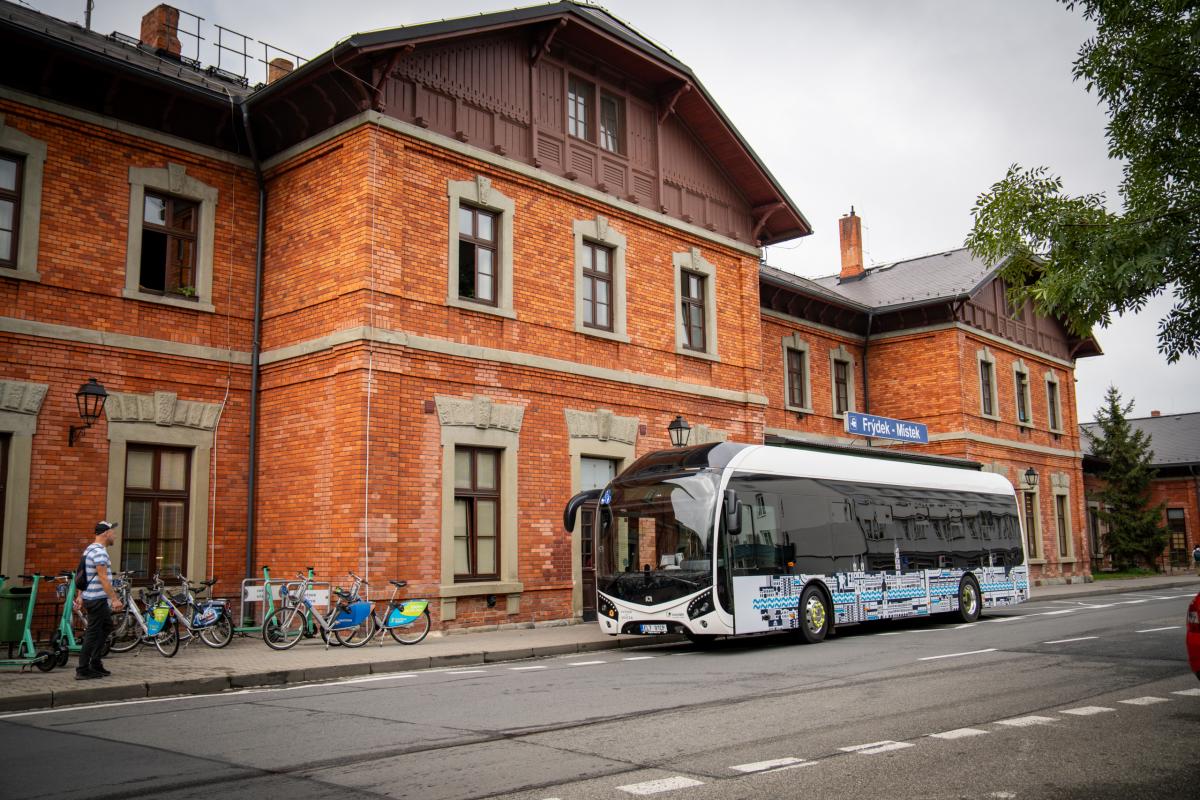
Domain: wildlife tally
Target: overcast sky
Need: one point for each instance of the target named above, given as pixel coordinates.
(904, 109)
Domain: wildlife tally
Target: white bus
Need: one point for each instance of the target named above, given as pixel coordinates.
(729, 539)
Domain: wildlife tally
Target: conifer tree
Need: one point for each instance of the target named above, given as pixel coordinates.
(1135, 532)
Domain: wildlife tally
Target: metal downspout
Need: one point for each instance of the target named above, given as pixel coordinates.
(256, 346)
(866, 380)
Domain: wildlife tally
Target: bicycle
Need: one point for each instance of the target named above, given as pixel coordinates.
(209, 620)
(344, 621)
(130, 627)
(406, 621)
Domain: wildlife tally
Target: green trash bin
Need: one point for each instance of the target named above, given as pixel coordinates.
(14, 605)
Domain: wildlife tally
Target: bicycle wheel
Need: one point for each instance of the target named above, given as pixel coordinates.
(220, 633)
(167, 640)
(414, 632)
(283, 628)
(358, 635)
(126, 632)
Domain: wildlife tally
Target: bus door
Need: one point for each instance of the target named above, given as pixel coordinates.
(594, 473)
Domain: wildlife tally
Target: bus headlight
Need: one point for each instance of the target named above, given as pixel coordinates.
(701, 605)
(605, 608)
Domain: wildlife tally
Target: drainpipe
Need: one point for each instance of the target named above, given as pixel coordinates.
(256, 346)
(867, 380)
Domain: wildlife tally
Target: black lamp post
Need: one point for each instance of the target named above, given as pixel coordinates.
(90, 399)
(679, 431)
(1031, 478)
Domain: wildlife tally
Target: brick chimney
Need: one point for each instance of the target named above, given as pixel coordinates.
(850, 228)
(277, 68)
(160, 30)
(1156, 413)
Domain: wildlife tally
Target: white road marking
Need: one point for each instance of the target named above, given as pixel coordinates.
(958, 733)
(960, 627)
(955, 655)
(1131, 602)
(1086, 711)
(1189, 692)
(1056, 613)
(1025, 722)
(637, 658)
(586, 663)
(1144, 701)
(1008, 619)
(875, 747)
(774, 764)
(661, 785)
(1076, 639)
(890, 633)
(1156, 630)
(466, 672)
(371, 679)
(522, 669)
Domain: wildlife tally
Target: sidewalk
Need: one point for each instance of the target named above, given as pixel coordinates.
(246, 662)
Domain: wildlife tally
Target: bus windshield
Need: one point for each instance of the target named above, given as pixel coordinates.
(654, 538)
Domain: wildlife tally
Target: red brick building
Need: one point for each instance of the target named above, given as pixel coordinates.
(389, 311)
(1175, 440)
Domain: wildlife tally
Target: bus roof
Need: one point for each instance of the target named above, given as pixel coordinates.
(862, 469)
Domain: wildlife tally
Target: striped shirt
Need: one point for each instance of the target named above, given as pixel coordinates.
(96, 555)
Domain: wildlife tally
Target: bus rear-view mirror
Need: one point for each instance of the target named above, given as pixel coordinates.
(733, 513)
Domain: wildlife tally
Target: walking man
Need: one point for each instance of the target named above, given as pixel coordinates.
(1196, 558)
(99, 600)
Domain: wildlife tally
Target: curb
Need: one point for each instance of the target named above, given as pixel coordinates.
(209, 684)
(1110, 587)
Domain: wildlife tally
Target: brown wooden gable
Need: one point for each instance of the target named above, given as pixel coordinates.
(988, 309)
(499, 82)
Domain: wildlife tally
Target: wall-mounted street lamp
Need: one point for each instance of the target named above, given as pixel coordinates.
(90, 399)
(1031, 478)
(679, 431)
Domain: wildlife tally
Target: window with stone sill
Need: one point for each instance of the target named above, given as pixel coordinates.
(480, 235)
(172, 225)
(11, 178)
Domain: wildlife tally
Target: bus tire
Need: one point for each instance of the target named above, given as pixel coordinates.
(814, 615)
(970, 602)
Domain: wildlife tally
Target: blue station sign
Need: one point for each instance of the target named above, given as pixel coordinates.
(886, 428)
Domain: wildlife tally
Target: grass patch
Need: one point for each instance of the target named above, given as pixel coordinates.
(1136, 572)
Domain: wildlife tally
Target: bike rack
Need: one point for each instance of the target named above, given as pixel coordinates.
(263, 593)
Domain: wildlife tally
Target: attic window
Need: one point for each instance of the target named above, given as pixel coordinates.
(612, 123)
(580, 95)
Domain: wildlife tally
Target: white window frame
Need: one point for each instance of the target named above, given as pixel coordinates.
(172, 180)
(1020, 367)
(1054, 406)
(794, 342)
(693, 261)
(481, 194)
(600, 231)
(840, 353)
(30, 213)
(985, 356)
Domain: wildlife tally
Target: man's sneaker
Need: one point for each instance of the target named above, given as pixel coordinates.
(100, 670)
(86, 675)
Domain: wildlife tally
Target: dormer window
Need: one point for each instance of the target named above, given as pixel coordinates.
(612, 123)
(583, 111)
(579, 108)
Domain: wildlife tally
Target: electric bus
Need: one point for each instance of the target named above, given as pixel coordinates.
(729, 539)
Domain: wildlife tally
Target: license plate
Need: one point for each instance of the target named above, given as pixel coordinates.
(654, 628)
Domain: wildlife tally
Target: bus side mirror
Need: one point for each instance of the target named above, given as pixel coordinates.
(573, 507)
(733, 513)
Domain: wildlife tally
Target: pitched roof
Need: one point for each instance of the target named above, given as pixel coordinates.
(915, 281)
(780, 219)
(1174, 438)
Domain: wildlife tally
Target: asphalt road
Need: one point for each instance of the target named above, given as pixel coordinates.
(1071, 699)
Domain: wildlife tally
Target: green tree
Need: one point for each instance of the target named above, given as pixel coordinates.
(1135, 532)
(1075, 258)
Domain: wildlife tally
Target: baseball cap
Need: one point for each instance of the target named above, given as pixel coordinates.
(103, 526)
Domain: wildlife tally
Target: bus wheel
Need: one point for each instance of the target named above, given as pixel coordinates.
(969, 602)
(814, 616)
